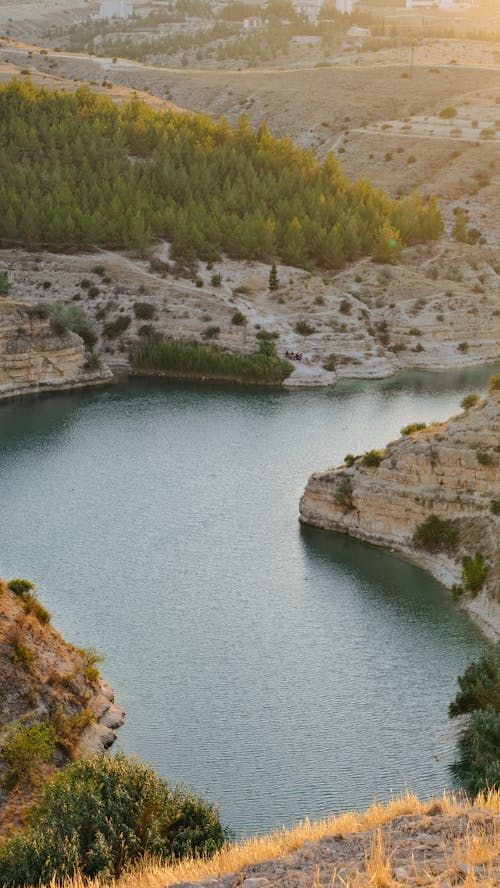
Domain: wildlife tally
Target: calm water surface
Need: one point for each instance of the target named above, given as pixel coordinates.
(284, 671)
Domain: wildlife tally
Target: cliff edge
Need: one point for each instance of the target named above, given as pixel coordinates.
(450, 471)
(33, 358)
(46, 681)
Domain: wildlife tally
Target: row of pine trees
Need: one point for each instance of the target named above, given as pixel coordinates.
(77, 169)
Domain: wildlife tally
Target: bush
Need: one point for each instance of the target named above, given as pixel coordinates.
(31, 605)
(413, 427)
(100, 815)
(349, 459)
(484, 458)
(345, 307)
(463, 347)
(479, 686)
(211, 332)
(494, 383)
(239, 319)
(304, 329)
(20, 586)
(29, 746)
(144, 311)
(74, 318)
(478, 764)
(448, 112)
(343, 494)
(495, 507)
(371, 458)
(216, 280)
(436, 535)
(474, 573)
(4, 283)
(114, 329)
(469, 401)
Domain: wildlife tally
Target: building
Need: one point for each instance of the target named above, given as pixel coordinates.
(346, 6)
(252, 23)
(115, 9)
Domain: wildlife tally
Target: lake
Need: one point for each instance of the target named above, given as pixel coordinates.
(282, 670)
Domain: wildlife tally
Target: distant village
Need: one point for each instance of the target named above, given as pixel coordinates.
(310, 9)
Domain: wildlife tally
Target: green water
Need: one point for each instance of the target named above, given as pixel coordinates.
(284, 671)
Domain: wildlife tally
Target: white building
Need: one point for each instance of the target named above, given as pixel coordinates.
(345, 6)
(115, 9)
(252, 23)
(308, 8)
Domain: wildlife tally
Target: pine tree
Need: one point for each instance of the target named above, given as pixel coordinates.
(274, 280)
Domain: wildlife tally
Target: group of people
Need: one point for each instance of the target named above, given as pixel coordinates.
(293, 356)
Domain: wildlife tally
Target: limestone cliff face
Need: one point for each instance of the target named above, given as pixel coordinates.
(42, 677)
(451, 470)
(34, 359)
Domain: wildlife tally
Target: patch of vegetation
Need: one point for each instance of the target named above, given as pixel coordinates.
(144, 311)
(4, 283)
(26, 749)
(469, 401)
(478, 764)
(190, 359)
(494, 385)
(413, 427)
(436, 535)
(343, 494)
(74, 318)
(495, 507)
(20, 586)
(371, 458)
(239, 319)
(303, 328)
(114, 329)
(448, 112)
(485, 458)
(100, 815)
(201, 185)
(474, 573)
(349, 459)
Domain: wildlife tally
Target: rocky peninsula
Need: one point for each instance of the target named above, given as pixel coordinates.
(46, 681)
(431, 482)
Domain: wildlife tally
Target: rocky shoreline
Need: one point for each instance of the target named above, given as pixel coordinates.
(449, 470)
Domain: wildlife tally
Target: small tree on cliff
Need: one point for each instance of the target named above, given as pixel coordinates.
(274, 280)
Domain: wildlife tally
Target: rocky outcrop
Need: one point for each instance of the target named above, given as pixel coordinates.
(45, 679)
(450, 470)
(34, 359)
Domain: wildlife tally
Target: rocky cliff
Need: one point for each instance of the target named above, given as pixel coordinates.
(44, 680)
(452, 471)
(34, 359)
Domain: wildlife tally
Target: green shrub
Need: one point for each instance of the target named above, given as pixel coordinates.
(114, 329)
(474, 573)
(239, 319)
(29, 746)
(371, 458)
(22, 655)
(4, 283)
(478, 764)
(31, 605)
(144, 311)
(413, 427)
(304, 329)
(99, 269)
(448, 112)
(100, 815)
(484, 458)
(345, 307)
(343, 494)
(436, 535)
(216, 280)
(349, 459)
(211, 332)
(479, 686)
(469, 401)
(463, 347)
(20, 586)
(74, 318)
(495, 507)
(195, 360)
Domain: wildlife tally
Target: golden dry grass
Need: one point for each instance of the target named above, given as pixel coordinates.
(477, 848)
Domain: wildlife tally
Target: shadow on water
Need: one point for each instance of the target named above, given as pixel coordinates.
(387, 581)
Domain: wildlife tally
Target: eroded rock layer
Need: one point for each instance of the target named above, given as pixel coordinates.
(34, 359)
(451, 470)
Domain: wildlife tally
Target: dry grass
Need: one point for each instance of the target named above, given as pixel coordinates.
(477, 848)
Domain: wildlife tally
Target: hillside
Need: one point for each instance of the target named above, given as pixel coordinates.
(449, 470)
(33, 358)
(46, 681)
